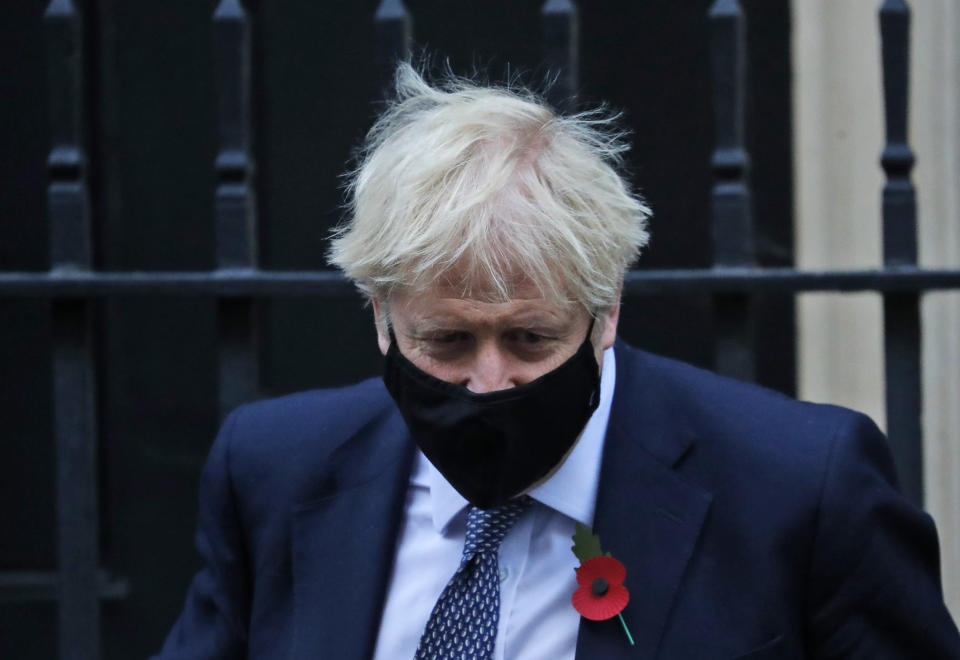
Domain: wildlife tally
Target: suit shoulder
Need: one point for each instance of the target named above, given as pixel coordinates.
(334, 402)
(321, 418)
(745, 426)
(732, 403)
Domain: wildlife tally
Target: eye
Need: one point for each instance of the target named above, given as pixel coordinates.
(444, 345)
(528, 337)
(447, 337)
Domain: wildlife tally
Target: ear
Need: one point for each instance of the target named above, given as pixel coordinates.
(610, 319)
(380, 321)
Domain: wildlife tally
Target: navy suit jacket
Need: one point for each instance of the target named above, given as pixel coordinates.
(752, 526)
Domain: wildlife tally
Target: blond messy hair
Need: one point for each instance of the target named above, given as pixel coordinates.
(475, 186)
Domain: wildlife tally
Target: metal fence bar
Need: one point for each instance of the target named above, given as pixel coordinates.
(43, 586)
(77, 503)
(901, 310)
(394, 34)
(78, 525)
(331, 285)
(78, 584)
(733, 243)
(235, 206)
(561, 52)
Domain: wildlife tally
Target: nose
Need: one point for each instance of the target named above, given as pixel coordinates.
(492, 370)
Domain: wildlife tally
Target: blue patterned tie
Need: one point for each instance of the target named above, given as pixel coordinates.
(463, 624)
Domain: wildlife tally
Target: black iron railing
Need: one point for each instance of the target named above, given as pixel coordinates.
(239, 285)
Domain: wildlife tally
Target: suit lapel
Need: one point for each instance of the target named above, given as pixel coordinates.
(344, 541)
(647, 516)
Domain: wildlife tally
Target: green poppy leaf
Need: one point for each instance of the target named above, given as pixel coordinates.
(586, 544)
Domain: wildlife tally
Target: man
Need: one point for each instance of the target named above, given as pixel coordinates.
(430, 514)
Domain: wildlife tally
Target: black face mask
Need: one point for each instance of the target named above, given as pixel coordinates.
(492, 447)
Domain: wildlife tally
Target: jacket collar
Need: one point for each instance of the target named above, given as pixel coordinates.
(648, 516)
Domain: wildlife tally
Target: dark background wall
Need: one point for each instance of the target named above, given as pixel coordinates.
(152, 145)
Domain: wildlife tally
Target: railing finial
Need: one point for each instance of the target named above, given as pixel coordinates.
(733, 243)
(394, 35)
(235, 203)
(901, 311)
(561, 52)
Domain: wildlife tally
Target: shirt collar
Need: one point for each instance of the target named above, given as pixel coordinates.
(572, 490)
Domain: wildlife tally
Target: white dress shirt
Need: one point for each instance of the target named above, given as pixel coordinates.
(537, 567)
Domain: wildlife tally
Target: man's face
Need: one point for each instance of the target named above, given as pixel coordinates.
(488, 346)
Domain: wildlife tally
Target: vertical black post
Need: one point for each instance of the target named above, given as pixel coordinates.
(394, 34)
(78, 525)
(901, 311)
(561, 52)
(235, 206)
(67, 202)
(732, 224)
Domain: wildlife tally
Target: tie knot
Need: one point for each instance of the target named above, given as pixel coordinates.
(487, 527)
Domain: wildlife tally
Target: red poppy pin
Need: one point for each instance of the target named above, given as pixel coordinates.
(601, 594)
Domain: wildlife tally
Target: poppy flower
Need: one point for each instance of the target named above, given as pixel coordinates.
(601, 594)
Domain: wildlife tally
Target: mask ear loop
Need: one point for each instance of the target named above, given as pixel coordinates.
(394, 346)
